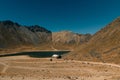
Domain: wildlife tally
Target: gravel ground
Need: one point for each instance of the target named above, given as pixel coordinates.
(26, 68)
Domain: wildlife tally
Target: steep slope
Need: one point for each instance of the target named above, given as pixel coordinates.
(12, 35)
(103, 46)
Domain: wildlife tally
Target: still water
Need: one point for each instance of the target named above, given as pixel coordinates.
(37, 54)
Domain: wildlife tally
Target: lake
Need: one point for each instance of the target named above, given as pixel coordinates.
(37, 54)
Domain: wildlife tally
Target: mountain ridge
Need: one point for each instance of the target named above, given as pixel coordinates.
(13, 34)
(103, 46)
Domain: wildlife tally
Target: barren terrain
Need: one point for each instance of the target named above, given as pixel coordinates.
(27, 68)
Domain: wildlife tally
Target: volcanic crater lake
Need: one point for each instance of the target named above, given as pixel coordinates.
(37, 54)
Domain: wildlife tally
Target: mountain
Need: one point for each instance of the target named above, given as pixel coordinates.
(103, 46)
(68, 39)
(13, 35)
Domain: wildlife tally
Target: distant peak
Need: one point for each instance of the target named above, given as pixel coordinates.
(37, 28)
(9, 22)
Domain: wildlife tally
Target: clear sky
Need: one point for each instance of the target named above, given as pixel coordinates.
(81, 16)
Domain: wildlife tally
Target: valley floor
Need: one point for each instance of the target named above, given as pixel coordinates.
(26, 68)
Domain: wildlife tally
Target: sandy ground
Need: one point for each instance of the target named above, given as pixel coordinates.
(26, 68)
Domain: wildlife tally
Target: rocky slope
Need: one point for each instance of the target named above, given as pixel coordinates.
(103, 46)
(68, 37)
(15, 35)
(12, 35)
(68, 40)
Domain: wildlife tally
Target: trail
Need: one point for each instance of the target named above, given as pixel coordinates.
(86, 62)
(5, 67)
(42, 68)
(100, 63)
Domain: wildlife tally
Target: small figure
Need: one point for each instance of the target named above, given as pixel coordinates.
(50, 59)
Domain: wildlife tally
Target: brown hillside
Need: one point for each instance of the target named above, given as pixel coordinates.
(103, 46)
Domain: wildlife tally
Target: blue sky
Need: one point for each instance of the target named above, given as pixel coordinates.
(80, 16)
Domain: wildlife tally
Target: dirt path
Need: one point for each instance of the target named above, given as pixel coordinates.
(5, 67)
(99, 63)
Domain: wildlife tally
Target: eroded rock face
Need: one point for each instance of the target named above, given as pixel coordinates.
(13, 34)
(67, 37)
